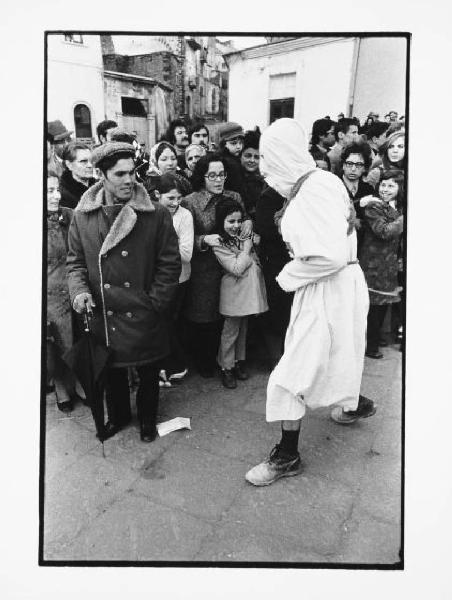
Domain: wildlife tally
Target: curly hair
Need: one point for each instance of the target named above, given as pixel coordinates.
(358, 148)
(202, 166)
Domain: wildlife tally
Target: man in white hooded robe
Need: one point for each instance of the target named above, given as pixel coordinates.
(324, 346)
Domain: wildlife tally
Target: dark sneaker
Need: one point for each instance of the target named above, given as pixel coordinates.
(366, 408)
(228, 379)
(240, 371)
(275, 467)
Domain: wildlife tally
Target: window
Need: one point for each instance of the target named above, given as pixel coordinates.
(282, 95)
(73, 38)
(214, 100)
(134, 107)
(282, 107)
(82, 121)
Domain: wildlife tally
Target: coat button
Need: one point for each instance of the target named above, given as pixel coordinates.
(105, 255)
(129, 314)
(107, 286)
(124, 253)
(110, 313)
(126, 284)
(113, 328)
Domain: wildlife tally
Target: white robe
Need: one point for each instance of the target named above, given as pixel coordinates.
(325, 341)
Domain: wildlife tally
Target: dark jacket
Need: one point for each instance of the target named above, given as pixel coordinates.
(383, 227)
(132, 270)
(273, 250)
(59, 318)
(364, 189)
(72, 190)
(253, 184)
(233, 168)
(274, 255)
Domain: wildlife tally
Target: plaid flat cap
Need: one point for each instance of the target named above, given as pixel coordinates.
(110, 149)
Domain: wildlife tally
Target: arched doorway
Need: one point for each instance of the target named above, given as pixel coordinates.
(82, 121)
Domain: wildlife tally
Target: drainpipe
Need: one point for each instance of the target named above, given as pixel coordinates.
(181, 103)
(353, 77)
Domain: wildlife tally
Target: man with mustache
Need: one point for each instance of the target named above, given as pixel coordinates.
(177, 135)
(123, 268)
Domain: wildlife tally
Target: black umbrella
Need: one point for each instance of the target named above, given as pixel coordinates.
(88, 359)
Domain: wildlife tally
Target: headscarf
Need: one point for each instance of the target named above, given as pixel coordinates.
(284, 155)
(154, 170)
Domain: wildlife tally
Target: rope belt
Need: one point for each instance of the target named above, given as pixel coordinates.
(353, 262)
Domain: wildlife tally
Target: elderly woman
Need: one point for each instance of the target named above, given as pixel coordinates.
(193, 153)
(203, 294)
(325, 341)
(163, 159)
(392, 156)
(59, 316)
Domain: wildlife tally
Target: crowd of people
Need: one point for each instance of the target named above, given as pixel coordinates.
(184, 255)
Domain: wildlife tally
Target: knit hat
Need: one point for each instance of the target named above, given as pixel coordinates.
(57, 131)
(230, 130)
(111, 149)
(118, 134)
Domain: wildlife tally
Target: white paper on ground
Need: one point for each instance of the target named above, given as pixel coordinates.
(173, 425)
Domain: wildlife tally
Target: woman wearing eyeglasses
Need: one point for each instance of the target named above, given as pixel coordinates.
(203, 294)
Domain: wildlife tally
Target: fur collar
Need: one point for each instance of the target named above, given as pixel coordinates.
(92, 200)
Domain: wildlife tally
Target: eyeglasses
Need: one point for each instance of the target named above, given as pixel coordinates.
(213, 176)
(350, 165)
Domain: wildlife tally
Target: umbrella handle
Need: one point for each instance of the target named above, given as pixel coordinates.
(87, 328)
(87, 315)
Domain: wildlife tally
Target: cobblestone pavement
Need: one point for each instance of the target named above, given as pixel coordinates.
(184, 496)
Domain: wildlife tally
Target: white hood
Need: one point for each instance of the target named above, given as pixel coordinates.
(284, 155)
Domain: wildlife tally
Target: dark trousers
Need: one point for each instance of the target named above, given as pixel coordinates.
(276, 320)
(118, 395)
(375, 318)
(177, 360)
(204, 343)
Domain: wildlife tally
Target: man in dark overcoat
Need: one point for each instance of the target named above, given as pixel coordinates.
(124, 265)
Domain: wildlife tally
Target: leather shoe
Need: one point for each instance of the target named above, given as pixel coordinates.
(148, 433)
(374, 354)
(228, 379)
(65, 407)
(110, 429)
(240, 371)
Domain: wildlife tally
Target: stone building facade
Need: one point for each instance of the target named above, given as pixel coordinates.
(192, 68)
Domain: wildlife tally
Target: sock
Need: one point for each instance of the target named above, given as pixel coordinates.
(289, 442)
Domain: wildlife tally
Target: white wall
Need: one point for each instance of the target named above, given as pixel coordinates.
(74, 77)
(322, 84)
(381, 76)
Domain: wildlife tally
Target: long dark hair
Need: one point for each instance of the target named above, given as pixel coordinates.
(222, 210)
(167, 182)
